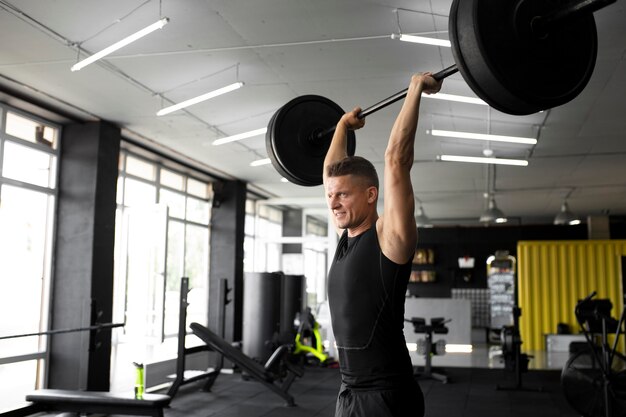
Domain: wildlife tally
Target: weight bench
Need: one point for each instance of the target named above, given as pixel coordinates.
(269, 374)
(427, 347)
(98, 402)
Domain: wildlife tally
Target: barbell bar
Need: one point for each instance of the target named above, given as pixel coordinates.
(95, 327)
(542, 24)
(516, 55)
(539, 26)
(392, 99)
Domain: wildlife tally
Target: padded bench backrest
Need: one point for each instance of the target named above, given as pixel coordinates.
(232, 353)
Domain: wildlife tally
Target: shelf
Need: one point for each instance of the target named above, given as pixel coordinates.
(423, 276)
(424, 256)
(419, 267)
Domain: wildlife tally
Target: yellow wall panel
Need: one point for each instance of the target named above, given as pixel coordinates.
(554, 275)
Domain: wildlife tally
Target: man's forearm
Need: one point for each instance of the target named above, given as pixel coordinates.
(338, 149)
(401, 141)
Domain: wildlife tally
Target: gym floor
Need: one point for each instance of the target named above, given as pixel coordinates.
(471, 393)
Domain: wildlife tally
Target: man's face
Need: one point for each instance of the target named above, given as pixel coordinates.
(349, 200)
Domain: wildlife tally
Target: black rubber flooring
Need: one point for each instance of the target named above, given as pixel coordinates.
(470, 393)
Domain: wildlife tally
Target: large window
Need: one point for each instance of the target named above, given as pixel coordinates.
(315, 254)
(263, 248)
(263, 230)
(28, 175)
(162, 234)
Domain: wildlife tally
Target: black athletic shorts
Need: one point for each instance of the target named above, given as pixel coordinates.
(403, 402)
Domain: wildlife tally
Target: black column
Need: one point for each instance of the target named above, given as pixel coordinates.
(292, 227)
(292, 302)
(82, 287)
(261, 313)
(227, 234)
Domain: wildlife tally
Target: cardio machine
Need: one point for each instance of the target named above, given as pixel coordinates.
(594, 379)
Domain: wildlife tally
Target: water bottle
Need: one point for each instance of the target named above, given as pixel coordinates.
(139, 380)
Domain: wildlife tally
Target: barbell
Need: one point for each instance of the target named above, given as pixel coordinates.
(519, 56)
(95, 327)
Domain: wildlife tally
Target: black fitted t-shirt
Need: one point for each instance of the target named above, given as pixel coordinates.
(366, 294)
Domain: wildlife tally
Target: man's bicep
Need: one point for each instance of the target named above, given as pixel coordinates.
(398, 211)
(399, 192)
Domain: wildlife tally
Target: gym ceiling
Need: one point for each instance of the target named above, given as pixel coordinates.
(340, 49)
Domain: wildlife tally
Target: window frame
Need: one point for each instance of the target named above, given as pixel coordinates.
(42, 356)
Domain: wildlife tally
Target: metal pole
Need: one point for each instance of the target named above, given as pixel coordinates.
(400, 95)
(59, 331)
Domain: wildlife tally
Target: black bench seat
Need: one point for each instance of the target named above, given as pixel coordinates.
(98, 402)
(268, 374)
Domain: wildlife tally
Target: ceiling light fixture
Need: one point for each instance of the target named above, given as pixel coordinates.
(421, 39)
(482, 136)
(422, 220)
(483, 160)
(454, 97)
(240, 136)
(566, 216)
(200, 98)
(260, 162)
(132, 38)
(493, 214)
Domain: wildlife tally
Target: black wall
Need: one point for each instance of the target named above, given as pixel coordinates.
(292, 227)
(451, 243)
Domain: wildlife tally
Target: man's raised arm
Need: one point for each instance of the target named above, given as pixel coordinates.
(397, 230)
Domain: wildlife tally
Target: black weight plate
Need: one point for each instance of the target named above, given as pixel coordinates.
(291, 140)
(513, 70)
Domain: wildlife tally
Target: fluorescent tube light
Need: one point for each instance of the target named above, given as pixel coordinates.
(458, 348)
(450, 348)
(483, 160)
(203, 97)
(240, 136)
(482, 136)
(453, 97)
(260, 162)
(421, 39)
(132, 38)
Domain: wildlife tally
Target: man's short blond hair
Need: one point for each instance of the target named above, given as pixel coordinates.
(356, 166)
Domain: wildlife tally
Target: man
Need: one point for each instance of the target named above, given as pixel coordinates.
(370, 272)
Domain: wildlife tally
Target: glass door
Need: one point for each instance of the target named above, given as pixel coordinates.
(139, 291)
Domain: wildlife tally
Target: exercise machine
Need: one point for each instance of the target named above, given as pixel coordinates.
(427, 348)
(308, 340)
(514, 359)
(505, 314)
(277, 374)
(184, 376)
(594, 379)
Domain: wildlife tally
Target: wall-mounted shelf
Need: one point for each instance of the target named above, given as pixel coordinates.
(423, 276)
(424, 256)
